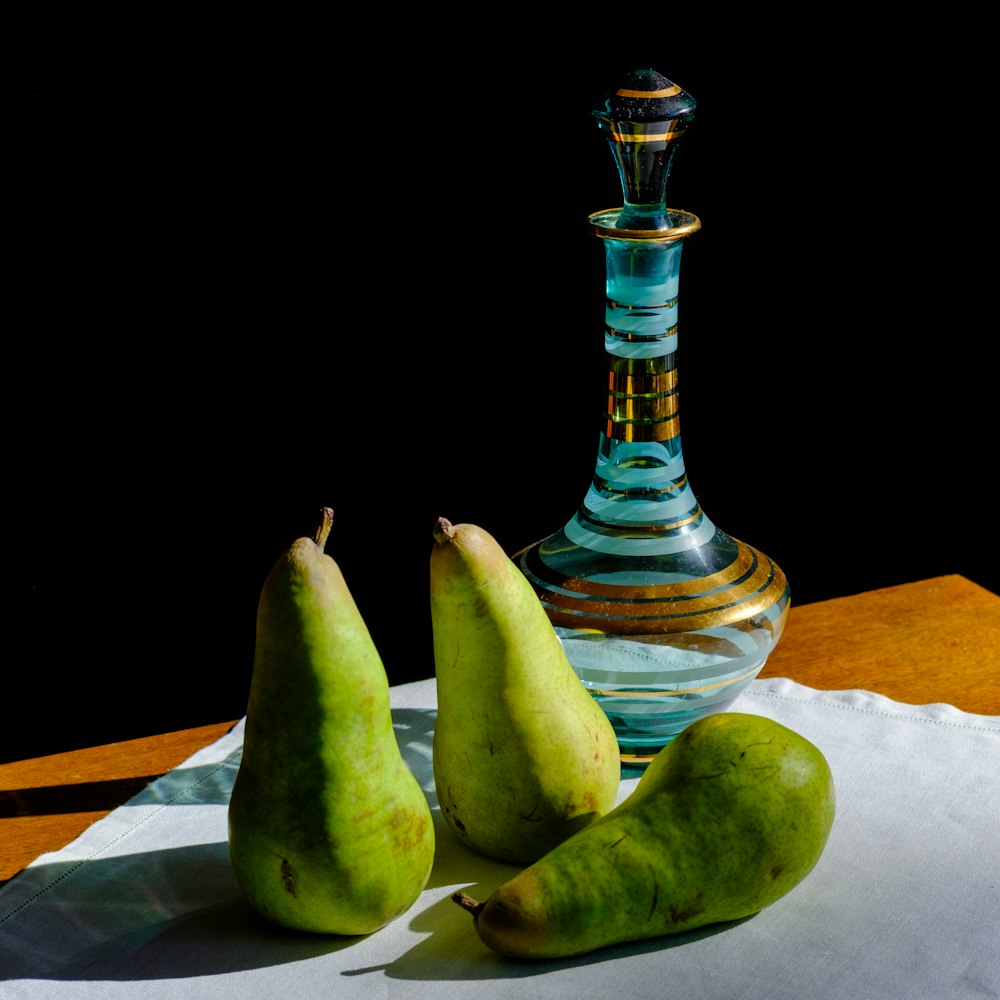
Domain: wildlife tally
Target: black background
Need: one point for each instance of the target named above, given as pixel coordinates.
(253, 277)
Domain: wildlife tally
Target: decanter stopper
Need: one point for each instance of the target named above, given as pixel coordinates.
(643, 119)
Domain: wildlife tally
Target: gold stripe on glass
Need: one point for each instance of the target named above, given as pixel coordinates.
(738, 568)
(662, 92)
(678, 693)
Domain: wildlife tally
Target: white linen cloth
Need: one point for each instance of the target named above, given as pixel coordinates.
(904, 903)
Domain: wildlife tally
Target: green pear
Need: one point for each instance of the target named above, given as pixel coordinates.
(523, 756)
(329, 831)
(729, 817)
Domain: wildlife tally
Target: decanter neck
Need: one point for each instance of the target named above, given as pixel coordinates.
(641, 428)
(639, 484)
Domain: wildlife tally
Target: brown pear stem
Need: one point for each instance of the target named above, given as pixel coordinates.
(444, 530)
(324, 526)
(467, 903)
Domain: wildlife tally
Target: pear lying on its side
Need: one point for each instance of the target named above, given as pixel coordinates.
(328, 829)
(523, 755)
(728, 818)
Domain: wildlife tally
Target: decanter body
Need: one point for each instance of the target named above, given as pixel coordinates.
(664, 616)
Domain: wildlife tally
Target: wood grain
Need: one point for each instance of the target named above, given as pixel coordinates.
(46, 802)
(935, 640)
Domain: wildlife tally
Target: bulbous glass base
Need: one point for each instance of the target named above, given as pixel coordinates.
(664, 639)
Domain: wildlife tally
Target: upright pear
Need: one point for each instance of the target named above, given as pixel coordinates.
(728, 818)
(523, 755)
(329, 831)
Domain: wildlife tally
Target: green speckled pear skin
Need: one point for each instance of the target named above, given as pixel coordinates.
(329, 832)
(523, 755)
(728, 818)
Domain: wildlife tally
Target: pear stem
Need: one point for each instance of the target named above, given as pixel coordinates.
(444, 531)
(323, 528)
(467, 903)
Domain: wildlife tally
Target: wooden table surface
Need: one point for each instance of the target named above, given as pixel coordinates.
(936, 640)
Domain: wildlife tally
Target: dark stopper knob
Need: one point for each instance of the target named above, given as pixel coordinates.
(643, 119)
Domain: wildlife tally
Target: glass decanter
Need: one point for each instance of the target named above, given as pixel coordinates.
(664, 617)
